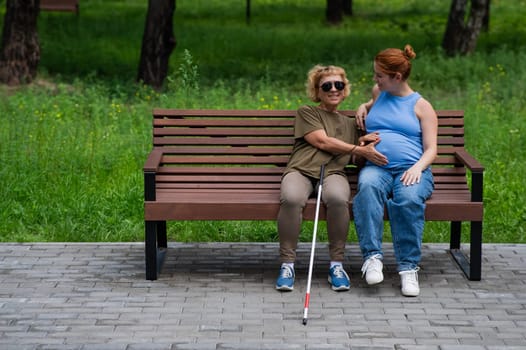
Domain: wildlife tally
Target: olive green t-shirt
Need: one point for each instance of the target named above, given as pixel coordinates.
(308, 159)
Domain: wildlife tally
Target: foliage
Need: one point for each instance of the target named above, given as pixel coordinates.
(74, 142)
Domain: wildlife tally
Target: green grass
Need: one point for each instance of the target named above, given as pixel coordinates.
(73, 143)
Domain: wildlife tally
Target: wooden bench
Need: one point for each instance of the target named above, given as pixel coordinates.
(227, 165)
(60, 5)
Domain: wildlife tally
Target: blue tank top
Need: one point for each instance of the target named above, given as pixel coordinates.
(400, 131)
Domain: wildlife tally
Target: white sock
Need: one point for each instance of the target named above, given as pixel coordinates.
(334, 263)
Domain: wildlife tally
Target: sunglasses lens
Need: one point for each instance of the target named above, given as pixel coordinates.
(326, 86)
(339, 85)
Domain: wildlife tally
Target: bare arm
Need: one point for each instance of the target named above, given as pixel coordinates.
(429, 124)
(320, 139)
(364, 108)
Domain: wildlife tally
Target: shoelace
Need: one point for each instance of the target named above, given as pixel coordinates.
(286, 272)
(338, 271)
(371, 262)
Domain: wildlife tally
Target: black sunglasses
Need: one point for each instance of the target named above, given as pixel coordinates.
(327, 86)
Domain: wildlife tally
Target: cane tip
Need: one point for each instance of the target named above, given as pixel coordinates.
(304, 321)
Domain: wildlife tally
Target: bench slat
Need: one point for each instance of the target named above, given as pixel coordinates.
(225, 123)
(211, 113)
(186, 150)
(224, 132)
(168, 184)
(260, 207)
(240, 141)
(222, 170)
(243, 160)
(221, 179)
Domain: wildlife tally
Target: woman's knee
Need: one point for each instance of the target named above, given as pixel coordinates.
(293, 199)
(373, 178)
(336, 191)
(415, 194)
(295, 190)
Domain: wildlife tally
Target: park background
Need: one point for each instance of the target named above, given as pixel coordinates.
(73, 143)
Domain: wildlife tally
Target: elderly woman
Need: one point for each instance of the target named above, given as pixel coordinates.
(322, 136)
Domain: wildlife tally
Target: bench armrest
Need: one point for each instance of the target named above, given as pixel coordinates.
(469, 161)
(153, 161)
(150, 169)
(477, 171)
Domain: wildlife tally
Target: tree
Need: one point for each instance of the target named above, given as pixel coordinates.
(20, 49)
(347, 7)
(485, 21)
(336, 9)
(462, 33)
(158, 43)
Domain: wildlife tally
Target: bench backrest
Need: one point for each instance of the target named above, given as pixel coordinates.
(249, 149)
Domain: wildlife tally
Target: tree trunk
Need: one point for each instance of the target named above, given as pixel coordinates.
(158, 43)
(347, 7)
(334, 12)
(461, 35)
(485, 21)
(20, 49)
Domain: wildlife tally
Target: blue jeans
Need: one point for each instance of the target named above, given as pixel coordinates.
(380, 188)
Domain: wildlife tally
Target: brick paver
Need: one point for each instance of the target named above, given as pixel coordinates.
(221, 296)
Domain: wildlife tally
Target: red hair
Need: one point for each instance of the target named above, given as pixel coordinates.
(392, 61)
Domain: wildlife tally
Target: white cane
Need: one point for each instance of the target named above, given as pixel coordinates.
(313, 247)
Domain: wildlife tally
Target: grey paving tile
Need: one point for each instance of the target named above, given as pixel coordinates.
(221, 296)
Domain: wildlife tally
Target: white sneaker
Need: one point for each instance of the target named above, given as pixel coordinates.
(372, 269)
(409, 282)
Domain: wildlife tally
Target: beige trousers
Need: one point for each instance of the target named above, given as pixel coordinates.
(295, 191)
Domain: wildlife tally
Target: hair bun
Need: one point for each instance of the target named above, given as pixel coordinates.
(409, 53)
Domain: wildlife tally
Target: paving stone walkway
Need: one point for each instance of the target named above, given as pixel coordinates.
(221, 296)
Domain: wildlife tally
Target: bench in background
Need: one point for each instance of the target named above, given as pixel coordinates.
(60, 5)
(227, 165)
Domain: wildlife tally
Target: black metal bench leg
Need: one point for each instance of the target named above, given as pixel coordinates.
(155, 245)
(476, 251)
(456, 229)
(472, 266)
(150, 249)
(162, 239)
